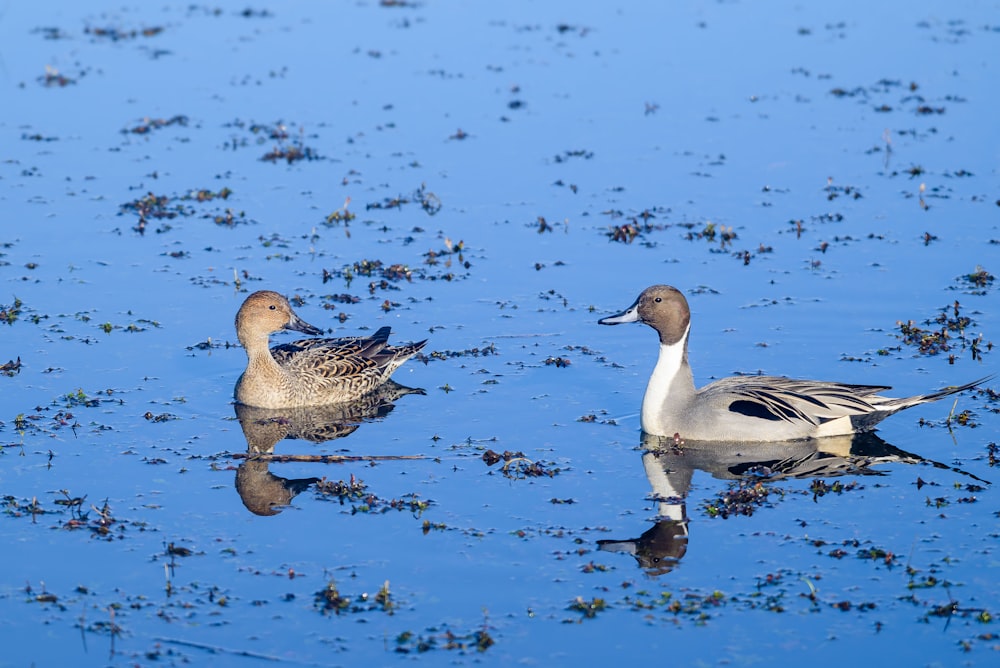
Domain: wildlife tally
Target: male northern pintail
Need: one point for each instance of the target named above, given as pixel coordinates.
(309, 372)
(747, 408)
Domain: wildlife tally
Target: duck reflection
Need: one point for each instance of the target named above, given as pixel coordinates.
(264, 493)
(670, 469)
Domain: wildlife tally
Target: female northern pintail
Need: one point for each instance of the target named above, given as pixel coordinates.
(309, 372)
(746, 408)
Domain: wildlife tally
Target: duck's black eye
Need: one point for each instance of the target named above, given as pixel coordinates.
(657, 300)
(272, 307)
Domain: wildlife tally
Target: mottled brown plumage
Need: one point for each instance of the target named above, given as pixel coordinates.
(309, 372)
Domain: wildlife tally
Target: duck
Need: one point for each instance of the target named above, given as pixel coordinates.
(748, 409)
(308, 372)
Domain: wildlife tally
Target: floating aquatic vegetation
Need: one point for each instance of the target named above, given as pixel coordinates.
(516, 465)
(11, 368)
(635, 226)
(569, 155)
(390, 275)
(834, 191)
(355, 493)
(592, 417)
(160, 417)
(329, 599)
(140, 325)
(862, 550)
(289, 146)
(479, 640)
(588, 609)
(229, 218)
(148, 125)
(743, 497)
(51, 32)
(949, 334)
(820, 487)
(100, 521)
(710, 232)
(37, 137)
(168, 207)
(81, 398)
(53, 78)
(342, 491)
(342, 298)
(428, 201)
(450, 354)
(9, 314)
(290, 153)
(116, 34)
(341, 215)
(980, 280)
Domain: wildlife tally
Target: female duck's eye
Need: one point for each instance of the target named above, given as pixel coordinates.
(272, 307)
(658, 300)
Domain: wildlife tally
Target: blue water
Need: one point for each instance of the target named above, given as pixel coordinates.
(743, 116)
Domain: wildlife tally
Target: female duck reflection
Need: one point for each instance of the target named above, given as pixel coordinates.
(264, 493)
(670, 469)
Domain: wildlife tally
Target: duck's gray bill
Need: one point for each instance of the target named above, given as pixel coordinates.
(300, 325)
(631, 314)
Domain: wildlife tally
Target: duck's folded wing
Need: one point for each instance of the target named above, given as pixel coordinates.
(783, 399)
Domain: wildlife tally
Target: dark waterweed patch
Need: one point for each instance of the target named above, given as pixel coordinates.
(389, 276)
(9, 314)
(290, 153)
(588, 609)
(863, 550)
(148, 125)
(820, 487)
(341, 215)
(117, 34)
(442, 637)
(600, 419)
(711, 232)
(159, 417)
(169, 207)
(485, 351)
(209, 344)
(978, 282)
(516, 465)
(696, 607)
(635, 226)
(427, 200)
(53, 78)
(329, 600)
(743, 497)
(11, 368)
(355, 493)
(81, 398)
(72, 513)
(948, 335)
(289, 144)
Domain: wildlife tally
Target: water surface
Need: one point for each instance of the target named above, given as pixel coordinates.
(495, 179)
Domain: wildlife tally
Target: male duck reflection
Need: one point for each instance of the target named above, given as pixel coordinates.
(309, 372)
(670, 471)
(747, 408)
